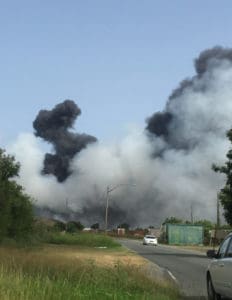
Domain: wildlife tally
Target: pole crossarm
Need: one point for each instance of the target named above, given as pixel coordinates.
(108, 191)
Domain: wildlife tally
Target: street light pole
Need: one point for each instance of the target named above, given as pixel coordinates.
(107, 206)
(108, 191)
(66, 224)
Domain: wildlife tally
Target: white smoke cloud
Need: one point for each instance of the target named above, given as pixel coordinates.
(44, 189)
(169, 179)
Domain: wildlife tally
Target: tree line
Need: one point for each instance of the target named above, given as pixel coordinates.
(225, 194)
(16, 207)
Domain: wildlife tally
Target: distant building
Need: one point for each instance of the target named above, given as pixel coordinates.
(154, 231)
(121, 231)
(138, 233)
(184, 234)
(87, 229)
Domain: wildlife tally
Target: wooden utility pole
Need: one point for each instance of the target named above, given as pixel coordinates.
(108, 191)
(107, 207)
(191, 213)
(218, 212)
(66, 225)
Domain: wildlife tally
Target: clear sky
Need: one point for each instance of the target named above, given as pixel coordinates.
(118, 60)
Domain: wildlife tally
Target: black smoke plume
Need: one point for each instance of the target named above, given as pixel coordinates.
(170, 162)
(169, 123)
(53, 126)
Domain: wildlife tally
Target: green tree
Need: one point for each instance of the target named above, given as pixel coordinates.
(21, 213)
(173, 220)
(225, 194)
(15, 206)
(73, 226)
(207, 226)
(8, 166)
(95, 226)
(59, 226)
(206, 223)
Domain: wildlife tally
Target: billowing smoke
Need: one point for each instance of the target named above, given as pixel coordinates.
(195, 109)
(53, 126)
(170, 161)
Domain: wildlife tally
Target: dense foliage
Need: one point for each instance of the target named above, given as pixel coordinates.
(15, 206)
(82, 239)
(95, 226)
(225, 195)
(173, 220)
(73, 226)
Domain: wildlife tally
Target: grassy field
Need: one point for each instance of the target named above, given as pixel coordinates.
(75, 272)
(83, 239)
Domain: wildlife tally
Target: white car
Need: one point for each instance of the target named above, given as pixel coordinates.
(150, 240)
(219, 272)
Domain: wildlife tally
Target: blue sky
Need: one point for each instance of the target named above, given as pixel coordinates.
(118, 60)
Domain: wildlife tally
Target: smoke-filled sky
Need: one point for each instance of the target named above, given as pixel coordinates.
(119, 65)
(119, 59)
(161, 170)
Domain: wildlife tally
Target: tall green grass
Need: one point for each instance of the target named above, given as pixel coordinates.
(35, 275)
(82, 239)
(94, 283)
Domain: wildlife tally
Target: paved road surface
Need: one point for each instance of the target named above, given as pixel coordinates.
(188, 267)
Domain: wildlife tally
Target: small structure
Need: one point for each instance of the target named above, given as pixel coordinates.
(121, 231)
(184, 234)
(154, 231)
(87, 229)
(138, 233)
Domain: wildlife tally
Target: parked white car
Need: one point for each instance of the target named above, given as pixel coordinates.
(219, 272)
(150, 240)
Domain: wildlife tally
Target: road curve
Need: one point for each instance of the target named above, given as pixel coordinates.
(188, 267)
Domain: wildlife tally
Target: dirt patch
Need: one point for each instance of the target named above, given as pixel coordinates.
(110, 258)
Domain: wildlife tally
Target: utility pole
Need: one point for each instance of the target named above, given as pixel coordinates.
(191, 213)
(66, 225)
(217, 225)
(108, 191)
(218, 212)
(107, 207)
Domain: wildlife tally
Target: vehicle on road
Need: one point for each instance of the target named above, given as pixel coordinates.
(150, 240)
(219, 272)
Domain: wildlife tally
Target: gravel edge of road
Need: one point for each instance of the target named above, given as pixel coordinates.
(156, 273)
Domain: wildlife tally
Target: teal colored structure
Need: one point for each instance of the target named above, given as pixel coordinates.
(184, 234)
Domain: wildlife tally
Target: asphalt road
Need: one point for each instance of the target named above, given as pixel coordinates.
(186, 266)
